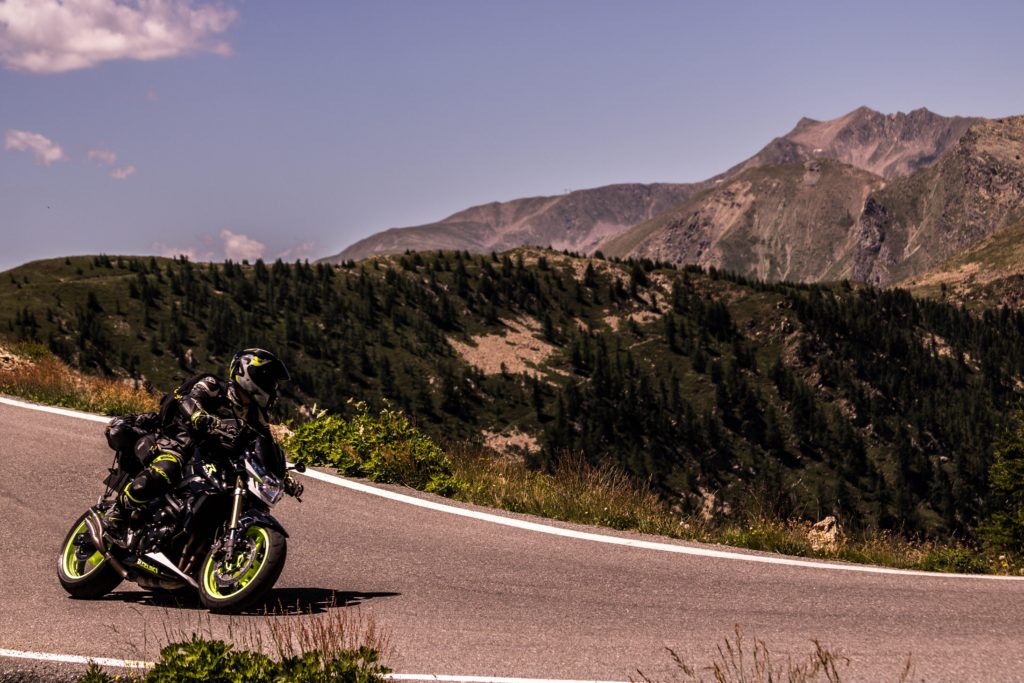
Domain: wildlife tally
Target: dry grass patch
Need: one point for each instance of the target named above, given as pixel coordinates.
(35, 374)
(736, 660)
(575, 492)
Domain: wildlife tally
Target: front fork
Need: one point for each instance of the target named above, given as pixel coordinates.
(236, 513)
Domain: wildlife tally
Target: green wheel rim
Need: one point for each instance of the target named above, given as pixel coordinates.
(260, 547)
(73, 567)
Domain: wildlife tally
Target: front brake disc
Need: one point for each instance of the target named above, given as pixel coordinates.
(229, 571)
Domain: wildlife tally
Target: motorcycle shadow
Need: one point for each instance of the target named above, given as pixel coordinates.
(280, 602)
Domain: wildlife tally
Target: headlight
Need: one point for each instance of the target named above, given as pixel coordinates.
(264, 486)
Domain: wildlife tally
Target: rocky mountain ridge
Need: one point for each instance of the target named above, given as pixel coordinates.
(887, 145)
(577, 221)
(867, 196)
(857, 225)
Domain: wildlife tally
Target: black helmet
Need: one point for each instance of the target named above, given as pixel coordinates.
(257, 373)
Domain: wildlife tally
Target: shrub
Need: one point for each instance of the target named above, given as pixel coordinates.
(382, 447)
(955, 559)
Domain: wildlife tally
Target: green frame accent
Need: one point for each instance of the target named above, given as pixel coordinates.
(74, 568)
(261, 541)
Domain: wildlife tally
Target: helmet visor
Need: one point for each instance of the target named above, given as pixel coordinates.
(266, 377)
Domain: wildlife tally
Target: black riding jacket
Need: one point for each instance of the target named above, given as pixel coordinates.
(205, 395)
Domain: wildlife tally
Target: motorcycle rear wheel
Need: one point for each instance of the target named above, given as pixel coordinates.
(230, 584)
(81, 575)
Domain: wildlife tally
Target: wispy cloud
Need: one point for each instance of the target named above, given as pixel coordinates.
(45, 150)
(106, 157)
(297, 252)
(238, 247)
(52, 36)
(122, 172)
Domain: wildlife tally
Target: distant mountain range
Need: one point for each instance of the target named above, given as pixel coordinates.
(868, 196)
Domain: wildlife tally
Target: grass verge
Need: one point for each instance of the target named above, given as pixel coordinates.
(338, 645)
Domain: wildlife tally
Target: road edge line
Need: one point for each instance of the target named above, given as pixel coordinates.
(66, 412)
(572, 533)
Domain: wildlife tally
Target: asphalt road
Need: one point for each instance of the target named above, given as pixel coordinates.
(465, 596)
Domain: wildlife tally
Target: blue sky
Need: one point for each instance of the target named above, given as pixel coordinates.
(295, 128)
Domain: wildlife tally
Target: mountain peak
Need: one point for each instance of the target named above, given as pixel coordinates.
(863, 110)
(889, 145)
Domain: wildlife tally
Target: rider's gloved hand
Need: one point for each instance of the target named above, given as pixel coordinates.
(204, 423)
(291, 486)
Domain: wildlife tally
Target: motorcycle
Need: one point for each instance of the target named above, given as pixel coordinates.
(213, 532)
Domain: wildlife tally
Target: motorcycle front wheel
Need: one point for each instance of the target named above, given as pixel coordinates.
(230, 584)
(81, 568)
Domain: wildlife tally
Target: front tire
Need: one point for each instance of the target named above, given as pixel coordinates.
(230, 584)
(84, 574)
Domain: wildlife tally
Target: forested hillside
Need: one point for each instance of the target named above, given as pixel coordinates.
(723, 393)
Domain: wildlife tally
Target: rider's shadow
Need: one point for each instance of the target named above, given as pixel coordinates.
(280, 602)
(291, 601)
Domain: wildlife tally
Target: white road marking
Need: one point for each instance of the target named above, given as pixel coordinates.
(75, 659)
(52, 409)
(484, 679)
(572, 533)
(134, 664)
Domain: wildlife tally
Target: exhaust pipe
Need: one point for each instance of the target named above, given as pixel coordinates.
(95, 526)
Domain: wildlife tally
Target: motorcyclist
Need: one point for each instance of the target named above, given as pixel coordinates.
(191, 416)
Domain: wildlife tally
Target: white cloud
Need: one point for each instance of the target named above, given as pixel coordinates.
(192, 253)
(122, 172)
(52, 36)
(106, 157)
(234, 246)
(238, 247)
(45, 150)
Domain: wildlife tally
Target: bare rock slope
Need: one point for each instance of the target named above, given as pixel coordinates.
(851, 224)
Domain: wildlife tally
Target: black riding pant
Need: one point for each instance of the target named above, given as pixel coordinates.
(161, 474)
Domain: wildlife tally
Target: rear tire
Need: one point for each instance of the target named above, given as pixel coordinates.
(84, 575)
(233, 584)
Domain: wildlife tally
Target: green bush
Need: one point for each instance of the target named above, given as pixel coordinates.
(383, 447)
(952, 559)
(215, 661)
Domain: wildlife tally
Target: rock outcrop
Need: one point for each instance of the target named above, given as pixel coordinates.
(826, 536)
